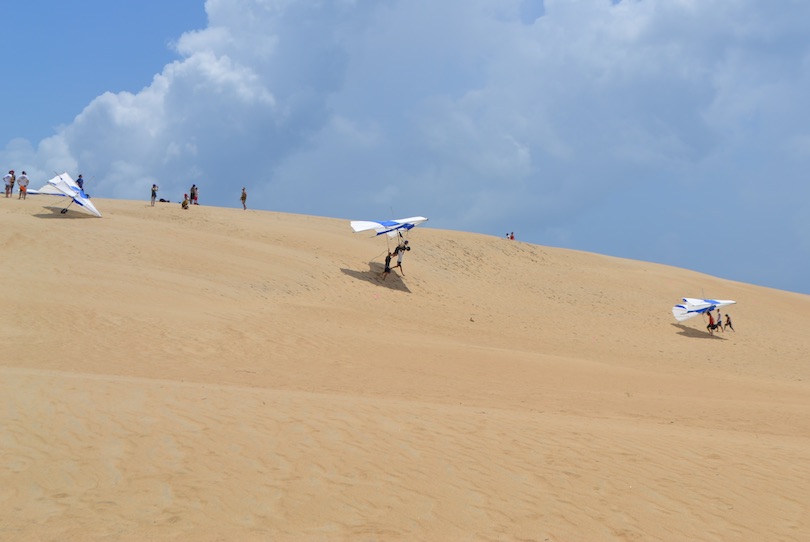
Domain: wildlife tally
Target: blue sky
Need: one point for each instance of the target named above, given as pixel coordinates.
(670, 131)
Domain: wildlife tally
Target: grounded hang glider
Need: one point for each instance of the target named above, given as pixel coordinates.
(390, 227)
(692, 307)
(63, 185)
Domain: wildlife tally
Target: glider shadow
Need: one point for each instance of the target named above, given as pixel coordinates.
(56, 212)
(695, 333)
(393, 281)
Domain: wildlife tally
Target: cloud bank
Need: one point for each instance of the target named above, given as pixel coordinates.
(671, 131)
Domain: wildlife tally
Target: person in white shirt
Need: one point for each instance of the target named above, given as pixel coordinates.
(8, 179)
(400, 252)
(22, 182)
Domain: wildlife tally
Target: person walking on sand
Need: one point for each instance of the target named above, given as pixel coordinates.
(719, 321)
(400, 252)
(22, 182)
(243, 198)
(387, 265)
(728, 323)
(710, 327)
(154, 193)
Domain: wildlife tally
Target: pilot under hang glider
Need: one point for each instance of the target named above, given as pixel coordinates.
(391, 228)
(692, 307)
(63, 185)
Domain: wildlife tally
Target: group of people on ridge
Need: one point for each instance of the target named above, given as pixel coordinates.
(718, 323)
(9, 179)
(193, 196)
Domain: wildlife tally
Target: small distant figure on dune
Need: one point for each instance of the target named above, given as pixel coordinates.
(728, 323)
(154, 194)
(184, 204)
(243, 198)
(9, 179)
(512, 236)
(387, 265)
(22, 182)
(194, 193)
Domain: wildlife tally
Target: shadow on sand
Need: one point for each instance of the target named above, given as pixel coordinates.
(393, 281)
(695, 333)
(56, 212)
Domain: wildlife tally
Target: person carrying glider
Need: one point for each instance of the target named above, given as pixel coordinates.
(400, 252)
(387, 265)
(391, 229)
(64, 186)
(691, 307)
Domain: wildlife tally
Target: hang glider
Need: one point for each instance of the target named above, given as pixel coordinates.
(388, 227)
(692, 307)
(63, 185)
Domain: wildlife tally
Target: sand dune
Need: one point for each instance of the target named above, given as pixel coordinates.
(219, 374)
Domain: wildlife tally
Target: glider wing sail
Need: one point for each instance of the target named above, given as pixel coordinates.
(389, 227)
(691, 307)
(64, 185)
(48, 189)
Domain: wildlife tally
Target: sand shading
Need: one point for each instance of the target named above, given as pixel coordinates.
(219, 374)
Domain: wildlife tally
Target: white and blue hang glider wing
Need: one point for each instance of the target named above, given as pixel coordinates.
(691, 307)
(48, 189)
(388, 227)
(64, 185)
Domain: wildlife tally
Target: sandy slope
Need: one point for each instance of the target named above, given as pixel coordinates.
(216, 374)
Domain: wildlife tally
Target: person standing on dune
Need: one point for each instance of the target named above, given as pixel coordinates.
(22, 182)
(243, 198)
(8, 179)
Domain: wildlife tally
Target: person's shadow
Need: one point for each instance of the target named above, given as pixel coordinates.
(695, 333)
(393, 281)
